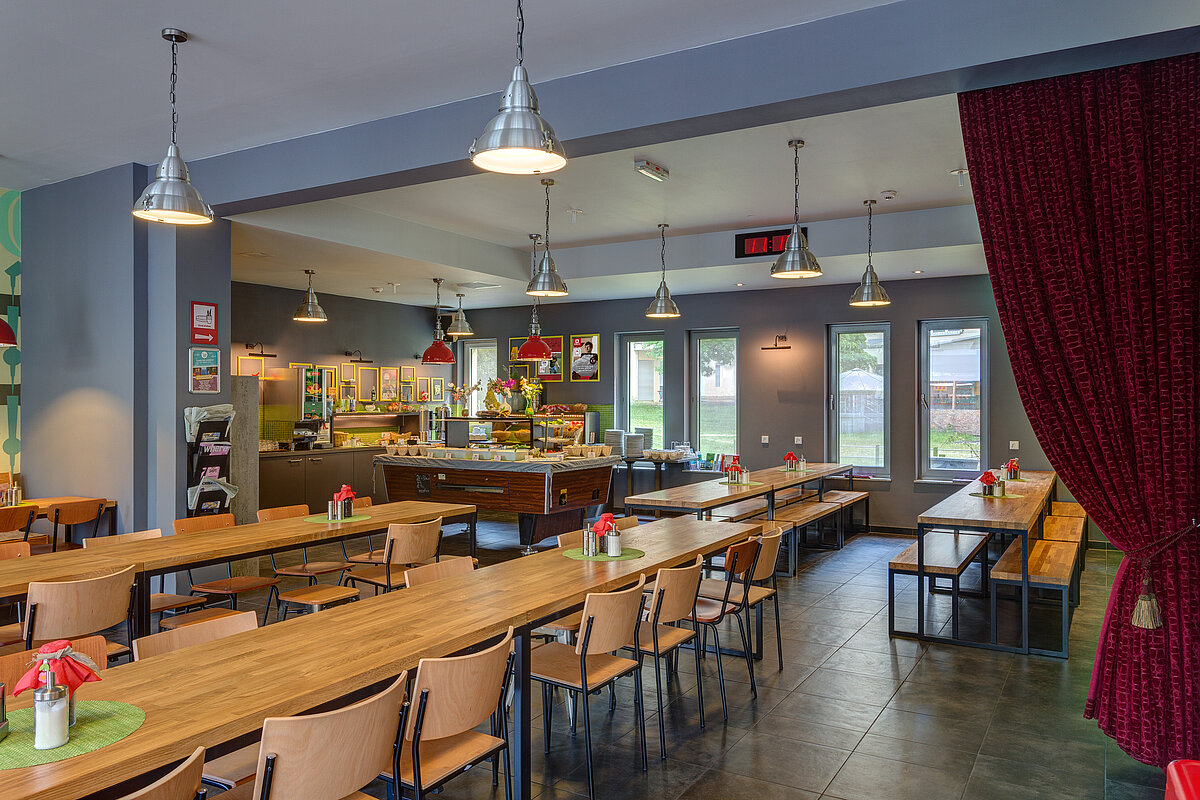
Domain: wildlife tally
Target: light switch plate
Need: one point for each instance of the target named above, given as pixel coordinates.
(798, 440)
(1013, 444)
(766, 440)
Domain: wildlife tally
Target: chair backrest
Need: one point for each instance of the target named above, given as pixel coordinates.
(570, 539)
(333, 754)
(610, 620)
(677, 587)
(446, 568)
(625, 523)
(739, 558)
(411, 543)
(204, 522)
(282, 512)
(463, 691)
(98, 542)
(75, 512)
(15, 550)
(196, 633)
(767, 555)
(16, 518)
(181, 783)
(362, 502)
(75, 608)
(14, 665)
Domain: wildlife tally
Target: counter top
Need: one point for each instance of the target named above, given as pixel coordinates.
(566, 465)
(325, 451)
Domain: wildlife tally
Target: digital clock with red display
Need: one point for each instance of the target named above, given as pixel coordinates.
(762, 243)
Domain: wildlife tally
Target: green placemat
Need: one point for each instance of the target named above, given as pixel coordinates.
(997, 497)
(1017, 480)
(324, 520)
(727, 483)
(98, 723)
(627, 554)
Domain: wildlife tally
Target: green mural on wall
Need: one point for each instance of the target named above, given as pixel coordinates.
(10, 306)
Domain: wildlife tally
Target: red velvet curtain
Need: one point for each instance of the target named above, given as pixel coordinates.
(1087, 189)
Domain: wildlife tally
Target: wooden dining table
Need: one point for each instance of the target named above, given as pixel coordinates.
(212, 695)
(171, 554)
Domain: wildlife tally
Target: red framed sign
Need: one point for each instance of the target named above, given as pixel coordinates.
(204, 323)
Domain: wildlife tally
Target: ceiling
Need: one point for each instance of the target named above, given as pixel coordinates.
(87, 81)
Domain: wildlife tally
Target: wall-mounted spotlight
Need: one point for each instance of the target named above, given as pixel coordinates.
(777, 346)
(260, 352)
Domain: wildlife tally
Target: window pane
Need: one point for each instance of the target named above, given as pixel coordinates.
(716, 394)
(481, 366)
(861, 400)
(953, 393)
(643, 367)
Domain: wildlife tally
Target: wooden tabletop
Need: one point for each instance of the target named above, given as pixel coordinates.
(44, 503)
(211, 694)
(1021, 513)
(711, 494)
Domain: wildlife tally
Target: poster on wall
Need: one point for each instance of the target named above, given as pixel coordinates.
(389, 384)
(585, 358)
(204, 370)
(204, 323)
(548, 371)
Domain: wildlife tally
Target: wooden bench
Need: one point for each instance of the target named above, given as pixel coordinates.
(1058, 509)
(946, 555)
(743, 509)
(793, 495)
(1051, 567)
(795, 519)
(848, 499)
(1067, 529)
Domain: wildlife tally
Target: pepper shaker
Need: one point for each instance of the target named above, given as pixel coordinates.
(613, 543)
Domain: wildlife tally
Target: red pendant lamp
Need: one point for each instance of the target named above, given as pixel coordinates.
(534, 348)
(8, 338)
(438, 352)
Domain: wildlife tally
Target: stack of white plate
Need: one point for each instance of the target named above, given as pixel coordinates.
(647, 437)
(633, 444)
(614, 439)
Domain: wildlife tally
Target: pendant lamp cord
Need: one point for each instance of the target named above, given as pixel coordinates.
(870, 206)
(662, 229)
(520, 33)
(796, 192)
(546, 242)
(174, 79)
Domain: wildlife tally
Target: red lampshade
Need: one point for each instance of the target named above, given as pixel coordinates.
(7, 337)
(438, 353)
(534, 349)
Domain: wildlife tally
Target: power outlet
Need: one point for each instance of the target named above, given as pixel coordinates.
(1013, 444)
(766, 440)
(798, 440)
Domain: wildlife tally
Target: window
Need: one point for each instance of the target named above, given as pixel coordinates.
(953, 398)
(859, 396)
(640, 393)
(714, 391)
(479, 364)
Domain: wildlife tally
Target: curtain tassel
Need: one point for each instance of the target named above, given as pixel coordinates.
(1145, 612)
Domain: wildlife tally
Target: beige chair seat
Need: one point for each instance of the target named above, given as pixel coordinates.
(712, 610)
(234, 769)
(571, 623)
(160, 602)
(235, 585)
(319, 596)
(669, 637)
(714, 589)
(377, 576)
(371, 557)
(559, 663)
(441, 758)
(312, 569)
(191, 618)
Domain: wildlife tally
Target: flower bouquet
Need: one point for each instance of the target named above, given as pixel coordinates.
(1013, 469)
(498, 392)
(530, 390)
(989, 484)
(459, 395)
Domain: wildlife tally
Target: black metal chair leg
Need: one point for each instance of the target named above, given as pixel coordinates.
(587, 736)
(720, 672)
(546, 706)
(749, 655)
(778, 632)
(641, 712)
(699, 677)
(662, 731)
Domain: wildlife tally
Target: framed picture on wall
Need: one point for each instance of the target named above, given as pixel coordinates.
(331, 382)
(551, 370)
(253, 366)
(294, 364)
(437, 389)
(518, 371)
(389, 384)
(422, 389)
(406, 393)
(204, 373)
(585, 357)
(368, 384)
(349, 381)
(408, 374)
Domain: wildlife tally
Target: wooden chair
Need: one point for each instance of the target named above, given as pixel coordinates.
(740, 562)
(673, 600)
(328, 755)
(625, 523)
(69, 515)
(67, 609)
(611, 621)
(181, 783)
(160, 602)
(452, 697)
(764, 586)
(568, 625)
(226, 588)
(14, 665)
(446, 568)
(407, 545)
(14, 550)
(17, 519)
(200, 633)
(305, 569)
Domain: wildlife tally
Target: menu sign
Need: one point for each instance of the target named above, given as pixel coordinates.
(204, 370)
(585, 358)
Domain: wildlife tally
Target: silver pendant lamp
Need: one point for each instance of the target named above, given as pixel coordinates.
(663, 307)
(310, 310)
(518, 141)
(459, 325)
(796, 260)
(869, 292)
(546, 282)
(170, 197)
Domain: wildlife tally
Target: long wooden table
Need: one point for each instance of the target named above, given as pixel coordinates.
(1021, 516)
(212, 694)
(170, 554)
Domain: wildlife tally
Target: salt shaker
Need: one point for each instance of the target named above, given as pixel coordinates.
(589, 542)
(612, 543)
(50, 715)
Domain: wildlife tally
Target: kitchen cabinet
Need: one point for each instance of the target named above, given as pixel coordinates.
(281, 480)
(313, 476)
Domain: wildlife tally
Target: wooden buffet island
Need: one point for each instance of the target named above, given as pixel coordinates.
(549, 497)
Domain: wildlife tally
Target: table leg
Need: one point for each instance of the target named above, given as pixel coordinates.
(920, 581)
(112, 520)
(628, 482)
(820, 490)
(522, 739)
(141, 607)
(1024, 591)
(771, 505)
(472, 531)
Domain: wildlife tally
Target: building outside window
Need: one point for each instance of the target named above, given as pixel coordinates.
(953, 398)
(640, 389)
(714, 427)
(860, 396)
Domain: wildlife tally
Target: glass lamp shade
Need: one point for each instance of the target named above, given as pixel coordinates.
(534, 349)
(870, 292)
(310, 310)
(459, 325)
(438, 352)
(517, 141)
(8, 338)
(796, 260)
(546, 282)
(170, 197)
(662, 307)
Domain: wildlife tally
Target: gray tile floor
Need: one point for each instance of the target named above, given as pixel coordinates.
(853, 715)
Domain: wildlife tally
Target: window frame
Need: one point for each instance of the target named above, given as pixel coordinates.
(695, 337)
(832, 396)
(621, 384)
(467, 345)
(924, 326)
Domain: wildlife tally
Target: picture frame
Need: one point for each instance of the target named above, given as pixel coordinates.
(332, 390)
(408, 374)
(551, 370)
(389, 384)
(585, 358)
(422, 390)
(437, 390)
(204, 370)
(252, 366)
(407, 391)
(368, 381)
(518, 371)
(348, 391)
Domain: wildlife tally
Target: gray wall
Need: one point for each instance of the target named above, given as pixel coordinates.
(783, 392)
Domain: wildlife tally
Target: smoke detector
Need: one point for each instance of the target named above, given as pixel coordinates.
(377, 289)
(888, 194)
(655, 172)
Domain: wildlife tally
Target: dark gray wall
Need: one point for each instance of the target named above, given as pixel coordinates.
(783, 392)
(390, 334)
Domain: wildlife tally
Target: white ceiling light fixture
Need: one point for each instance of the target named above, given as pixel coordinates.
(546, 282)
(870, 292)
(310, 310)
(459, 325)
(518, 141)
(796, 260)
(655, 172)
(663, 307)
(170, 197)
